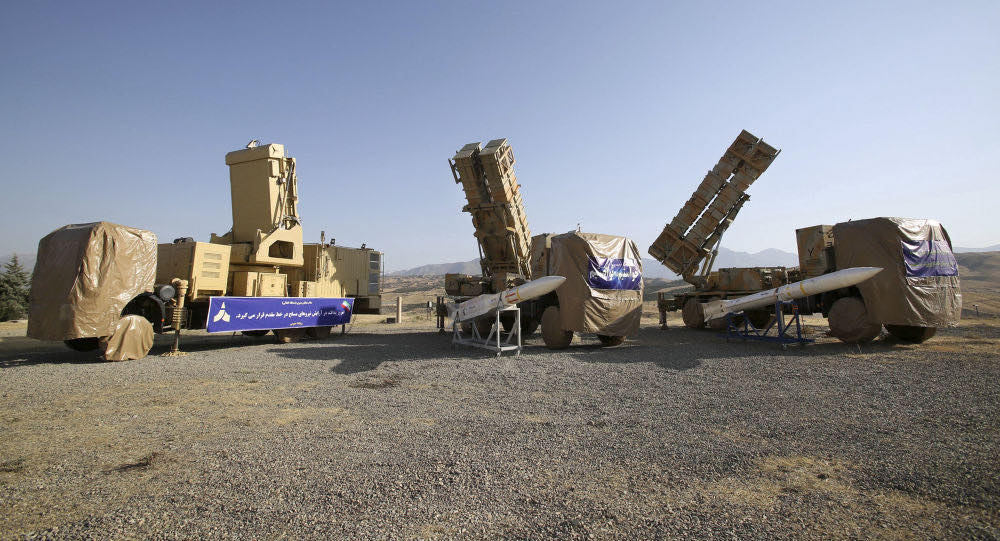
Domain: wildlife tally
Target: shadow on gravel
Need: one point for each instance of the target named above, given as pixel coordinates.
(672, 349)
(683, 349)
(365, 352)
(55, 355)
(38, 352)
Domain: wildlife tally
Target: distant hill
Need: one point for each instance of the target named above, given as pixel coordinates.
(979, 268)
(980, 277)
(462, 267)
(651, 268)
(960, 250)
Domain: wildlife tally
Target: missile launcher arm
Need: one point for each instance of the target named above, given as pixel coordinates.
(494, 201)
(688, 243)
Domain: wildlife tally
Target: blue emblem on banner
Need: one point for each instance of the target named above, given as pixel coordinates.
(229, 314)
(929, 258)
(608, 273)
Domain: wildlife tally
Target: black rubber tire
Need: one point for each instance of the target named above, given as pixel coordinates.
(286, 336)
(83, 344)
(719, 323)
(610, 341)
(507, 321)
(255, 334)
(693, 315)
(849, 321)
(529, 326)
(318, 333)
(484, 325)
(759, 318)
(911, 333)
(554, 336)
(134, 333)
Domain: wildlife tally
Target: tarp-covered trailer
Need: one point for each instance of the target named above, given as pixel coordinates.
(602, 293)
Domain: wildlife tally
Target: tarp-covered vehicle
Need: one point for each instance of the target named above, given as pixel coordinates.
(916, 292)
(85, 282)
(602, 293)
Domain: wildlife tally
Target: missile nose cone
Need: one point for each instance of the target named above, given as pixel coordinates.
(864, 273)
(542, 285)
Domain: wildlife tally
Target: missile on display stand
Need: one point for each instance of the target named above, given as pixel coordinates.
(797, 290)
(490, 302)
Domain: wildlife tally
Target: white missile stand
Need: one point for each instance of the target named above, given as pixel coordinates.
(496, 341)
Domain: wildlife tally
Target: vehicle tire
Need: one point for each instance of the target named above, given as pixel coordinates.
(484, 325)
(83, 344)
(286, 336)
(318, 333)
(719, 323)
(554, 336)
(849, 321)
(132, 339)
(693, 315)
(610, 341)
(758, 318)
(529, 326)
(507, 321)
(147, 307)
(254, 333)
(911, 333)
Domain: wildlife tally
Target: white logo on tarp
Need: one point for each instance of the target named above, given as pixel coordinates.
(221, 314)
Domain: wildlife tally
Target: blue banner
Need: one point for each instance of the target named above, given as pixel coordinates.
(929, 258)
(229, 314)
(607, 273)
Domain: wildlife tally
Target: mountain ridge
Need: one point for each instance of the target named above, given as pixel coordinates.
(770, 257)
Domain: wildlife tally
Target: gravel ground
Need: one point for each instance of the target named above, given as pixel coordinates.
(389, 432)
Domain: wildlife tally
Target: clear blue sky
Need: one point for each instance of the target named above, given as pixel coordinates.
(123, 112)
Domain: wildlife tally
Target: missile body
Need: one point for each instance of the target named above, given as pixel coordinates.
(797, 290)
(486, 304)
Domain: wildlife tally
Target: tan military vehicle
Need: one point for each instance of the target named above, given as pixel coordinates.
(602, 293)
(917, 291)
(688, 245)
(260, 273)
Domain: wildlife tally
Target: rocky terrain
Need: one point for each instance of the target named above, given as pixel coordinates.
(390, 432)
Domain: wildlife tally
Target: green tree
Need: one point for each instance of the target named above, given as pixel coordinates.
(14, 284)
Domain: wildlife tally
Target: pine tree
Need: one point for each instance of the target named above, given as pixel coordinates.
(14, 284)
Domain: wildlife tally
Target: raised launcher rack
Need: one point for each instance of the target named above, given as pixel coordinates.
(692, 236)
(487, 176)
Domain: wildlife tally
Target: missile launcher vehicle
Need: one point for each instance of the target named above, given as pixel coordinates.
(602, 293)
(917, 291)
(258, 277)
(689, 243)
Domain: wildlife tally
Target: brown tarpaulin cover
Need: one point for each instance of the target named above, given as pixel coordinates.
(84, 275)
(919, 282)
(131, 339)
(612, 312)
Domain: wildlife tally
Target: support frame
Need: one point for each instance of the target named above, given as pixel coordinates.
(498, 341)
(786, 331)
